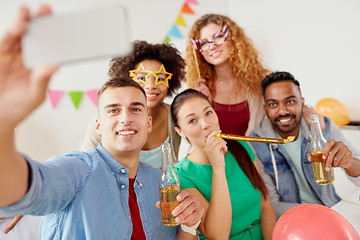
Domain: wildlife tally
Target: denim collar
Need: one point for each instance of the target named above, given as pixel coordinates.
(117, 167)
(114, 165)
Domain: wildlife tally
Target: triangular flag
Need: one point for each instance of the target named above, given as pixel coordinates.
(166, 39)
(55, 96)
(174, 31)
(191, 1)
(180, 20)
(76, 98)
(186, 9)
(92, 94)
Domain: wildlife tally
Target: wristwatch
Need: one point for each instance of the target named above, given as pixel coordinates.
(192, 229)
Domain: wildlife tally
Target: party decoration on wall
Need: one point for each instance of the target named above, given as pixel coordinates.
(313, 221)
(180, 21)
(186, 9)
(167, 39)
(333, 109)
(75, 96)
(92, 94)
(175, 32)
(55, 96)
(191, 1)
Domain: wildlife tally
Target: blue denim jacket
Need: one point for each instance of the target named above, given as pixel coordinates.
(85, 195)
(288, 194)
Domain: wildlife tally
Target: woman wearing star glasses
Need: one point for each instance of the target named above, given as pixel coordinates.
(159, 69)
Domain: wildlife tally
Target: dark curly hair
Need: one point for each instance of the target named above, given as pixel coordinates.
(142, 50)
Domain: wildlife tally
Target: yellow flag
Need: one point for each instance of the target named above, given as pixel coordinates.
(180, 21)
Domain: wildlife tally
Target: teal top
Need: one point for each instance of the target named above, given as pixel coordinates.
(245, 199)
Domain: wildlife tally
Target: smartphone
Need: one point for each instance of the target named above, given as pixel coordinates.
(87, 34)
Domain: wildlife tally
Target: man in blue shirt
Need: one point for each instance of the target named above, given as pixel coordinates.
(84, 195)
(287, 172)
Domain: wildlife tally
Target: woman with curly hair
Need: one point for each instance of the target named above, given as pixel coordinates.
(159, 69)
(229, 72)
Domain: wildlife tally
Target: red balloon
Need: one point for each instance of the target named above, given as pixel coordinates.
(313, 222)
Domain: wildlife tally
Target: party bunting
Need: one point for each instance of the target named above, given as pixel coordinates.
(76, 98)
(166, 39)
(55, 96)
(180, 20)
(191, 1)
(174, 32)
(92, 94)
(186, 9)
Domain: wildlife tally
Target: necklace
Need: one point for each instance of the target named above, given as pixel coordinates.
(222, 81)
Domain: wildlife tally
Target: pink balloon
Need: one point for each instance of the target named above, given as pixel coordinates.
(313, 222)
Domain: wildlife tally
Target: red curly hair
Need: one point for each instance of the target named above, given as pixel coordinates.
(244, 58)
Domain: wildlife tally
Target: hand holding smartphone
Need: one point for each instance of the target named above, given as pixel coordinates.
(75, 36)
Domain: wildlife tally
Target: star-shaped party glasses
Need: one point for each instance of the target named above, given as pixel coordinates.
(141, 75)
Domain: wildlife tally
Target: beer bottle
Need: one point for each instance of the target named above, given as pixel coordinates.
(316, 150)
(169, 187)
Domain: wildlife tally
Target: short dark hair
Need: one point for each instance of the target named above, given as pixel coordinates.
(117, 82)
(278, 77)
(162, 52)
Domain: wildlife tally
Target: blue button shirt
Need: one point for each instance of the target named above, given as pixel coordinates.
(85, 195)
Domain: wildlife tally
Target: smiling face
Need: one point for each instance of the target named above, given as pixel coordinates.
(123, 120)
(152, 77)
(196, 120)
(284, 107)
(216, 54)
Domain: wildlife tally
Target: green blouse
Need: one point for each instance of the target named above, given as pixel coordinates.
(245, 199)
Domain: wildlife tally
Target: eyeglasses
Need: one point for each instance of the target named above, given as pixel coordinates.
(219, 38)
(142, 76)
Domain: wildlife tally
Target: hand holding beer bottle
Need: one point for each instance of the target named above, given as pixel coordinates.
(176, 206)
(323, 174)
(169, 185)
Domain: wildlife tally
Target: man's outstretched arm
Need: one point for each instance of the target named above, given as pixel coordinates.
(22, 90)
